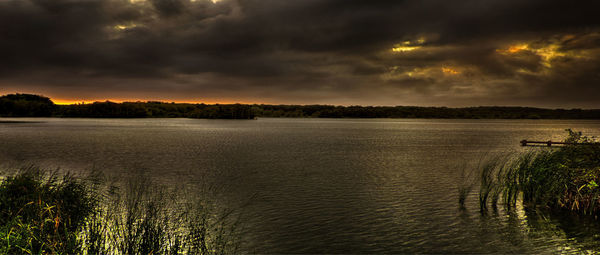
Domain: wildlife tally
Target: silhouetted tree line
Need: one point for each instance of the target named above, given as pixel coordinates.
(482, 112)
(26, 105)
(155, 109)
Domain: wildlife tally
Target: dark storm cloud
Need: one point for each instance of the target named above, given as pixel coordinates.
(308, 51)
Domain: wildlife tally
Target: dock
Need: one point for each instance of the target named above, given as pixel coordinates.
(550, 143)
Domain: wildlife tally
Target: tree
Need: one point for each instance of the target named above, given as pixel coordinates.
(26, 105)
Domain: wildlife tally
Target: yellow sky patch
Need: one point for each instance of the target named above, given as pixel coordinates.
(448, 70)
(399, 48)
(512, 49)
(517, 48)
(408, 45)
(124, 26)
(546, 52)
(415, 72)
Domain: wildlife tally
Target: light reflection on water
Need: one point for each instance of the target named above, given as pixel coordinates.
(324, 185)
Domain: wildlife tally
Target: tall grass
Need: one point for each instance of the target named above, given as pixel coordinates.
(556, 178)
(42, 212)
(45, 212)
(489, 185)
(465, 186)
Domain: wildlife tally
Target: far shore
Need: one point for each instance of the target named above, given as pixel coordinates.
(27, 105)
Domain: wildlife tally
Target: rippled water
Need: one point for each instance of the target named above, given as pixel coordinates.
(324, 185)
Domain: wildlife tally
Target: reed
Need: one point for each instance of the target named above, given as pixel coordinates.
(42, 212)
(465, 186)
(488, 182)
(47, 212)
(564, 178)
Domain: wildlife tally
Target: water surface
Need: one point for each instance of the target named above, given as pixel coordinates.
(323, 185)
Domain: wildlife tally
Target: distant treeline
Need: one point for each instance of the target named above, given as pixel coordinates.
(154, 109)
(481, 112)
(25, 105)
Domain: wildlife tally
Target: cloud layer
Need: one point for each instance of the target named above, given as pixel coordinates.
(417, 52)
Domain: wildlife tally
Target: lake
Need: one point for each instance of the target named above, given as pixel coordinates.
(323, 185)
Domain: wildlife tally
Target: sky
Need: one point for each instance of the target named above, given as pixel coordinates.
(542, 53)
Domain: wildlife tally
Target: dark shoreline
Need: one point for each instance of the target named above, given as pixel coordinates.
(25, 105)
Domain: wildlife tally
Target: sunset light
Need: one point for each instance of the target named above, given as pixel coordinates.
(448, 70)
(408, 45)
(299, 127)
(514, 48)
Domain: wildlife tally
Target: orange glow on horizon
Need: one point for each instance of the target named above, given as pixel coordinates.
(59, 101)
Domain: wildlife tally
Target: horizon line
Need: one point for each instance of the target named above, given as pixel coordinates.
(60, 101)
(73, 102)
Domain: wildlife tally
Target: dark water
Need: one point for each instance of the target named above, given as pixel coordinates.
(324, 185)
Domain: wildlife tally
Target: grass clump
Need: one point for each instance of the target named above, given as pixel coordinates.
(566, 177)
(42, 213)
(46, 212)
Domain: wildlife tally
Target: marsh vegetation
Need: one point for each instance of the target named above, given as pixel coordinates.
(558, 178)
(51, 212)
